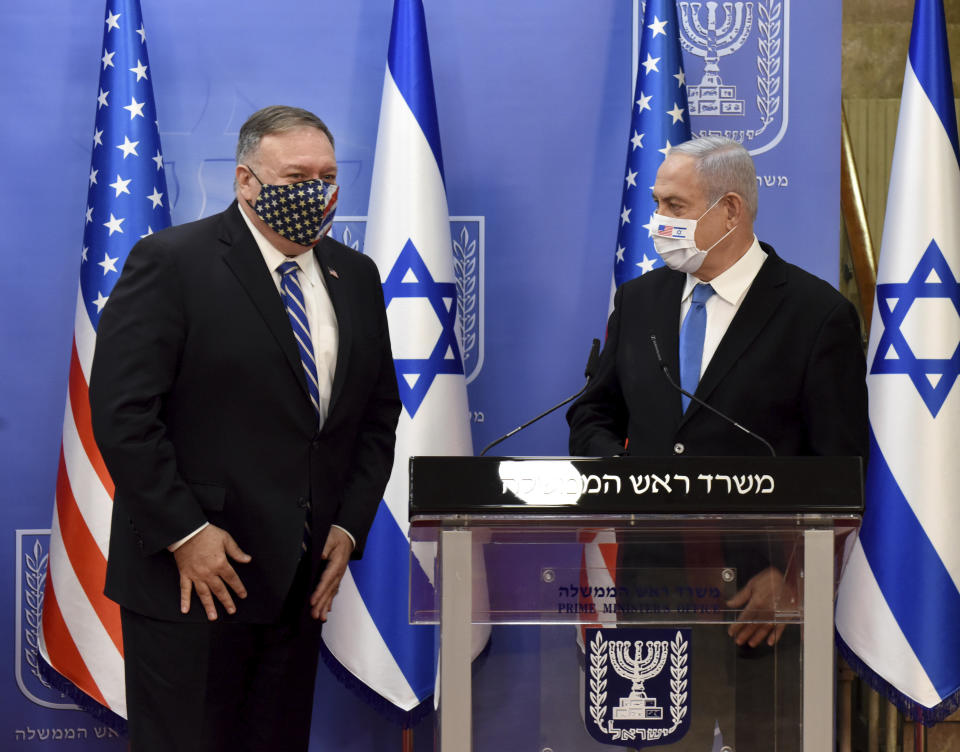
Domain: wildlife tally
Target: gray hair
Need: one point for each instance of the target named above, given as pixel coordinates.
(274, 119)
(725, 167)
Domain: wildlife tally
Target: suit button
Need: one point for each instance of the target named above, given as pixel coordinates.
(302, 502)
(679, 448)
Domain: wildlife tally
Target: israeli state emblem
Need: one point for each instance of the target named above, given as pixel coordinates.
(738, 69)
(637, 690)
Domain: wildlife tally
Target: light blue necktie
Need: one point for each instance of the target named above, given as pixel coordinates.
(297, 313)
(691, 341)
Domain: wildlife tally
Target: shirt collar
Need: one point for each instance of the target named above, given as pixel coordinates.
(732, 284)
(273, 258)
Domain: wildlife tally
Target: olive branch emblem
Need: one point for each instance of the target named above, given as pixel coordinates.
(600, 650)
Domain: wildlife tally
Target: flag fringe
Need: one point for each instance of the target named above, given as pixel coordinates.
(911, 709)
(399, 717)
(403, 718)
(90, 706)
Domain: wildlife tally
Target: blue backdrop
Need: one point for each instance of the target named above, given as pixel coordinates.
(534, 107)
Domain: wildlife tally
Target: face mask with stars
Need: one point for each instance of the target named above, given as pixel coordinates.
(302, 212)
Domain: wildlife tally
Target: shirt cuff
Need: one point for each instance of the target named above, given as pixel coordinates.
(352, 539)
(174, 546)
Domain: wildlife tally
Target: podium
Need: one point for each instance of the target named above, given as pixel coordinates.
(620, 580)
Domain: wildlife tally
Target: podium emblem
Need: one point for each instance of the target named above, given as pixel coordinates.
(637, 693)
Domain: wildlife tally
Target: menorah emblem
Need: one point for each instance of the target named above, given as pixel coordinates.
(638, 669)
(711, 42)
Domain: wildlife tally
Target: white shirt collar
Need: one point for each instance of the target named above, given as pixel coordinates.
(732, 284)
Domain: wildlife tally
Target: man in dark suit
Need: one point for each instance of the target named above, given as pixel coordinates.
(782, 353)
(776, 349)
(244, 399)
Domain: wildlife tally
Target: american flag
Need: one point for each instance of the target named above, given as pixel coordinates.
(671, 231)
(660, 120)
(126, 200)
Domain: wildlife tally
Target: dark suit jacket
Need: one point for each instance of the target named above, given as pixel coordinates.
(790, 368)
(200, 409)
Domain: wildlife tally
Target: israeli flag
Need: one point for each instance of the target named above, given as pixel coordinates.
(408, 235)
(899, 600)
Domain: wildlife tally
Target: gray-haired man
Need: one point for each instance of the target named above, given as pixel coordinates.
(244, 399)
(766, 343)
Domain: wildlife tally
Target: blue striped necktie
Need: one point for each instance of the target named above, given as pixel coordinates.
(297, 313)
(692, 334)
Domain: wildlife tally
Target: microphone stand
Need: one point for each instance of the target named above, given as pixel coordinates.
(727, 418)
(589, 371)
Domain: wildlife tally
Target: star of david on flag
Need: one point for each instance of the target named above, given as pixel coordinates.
(898, 603)
(931, 284)
(368, 640)
(660, 120)
(127, 199)
(410, 278)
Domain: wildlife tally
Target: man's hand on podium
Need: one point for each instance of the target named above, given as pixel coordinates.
(764, 594)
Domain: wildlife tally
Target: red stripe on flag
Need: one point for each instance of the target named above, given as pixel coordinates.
(86, 559)
(61, 648)
(80, 404)
(584, 583)
(609, 553)
(587, 602)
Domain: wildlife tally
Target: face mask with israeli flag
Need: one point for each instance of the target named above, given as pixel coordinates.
(302, 212)
(673, 239)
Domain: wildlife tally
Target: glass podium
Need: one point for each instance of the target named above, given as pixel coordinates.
(617, 591)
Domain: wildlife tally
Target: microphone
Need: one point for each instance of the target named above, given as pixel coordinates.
(593, 361)
(675, 385)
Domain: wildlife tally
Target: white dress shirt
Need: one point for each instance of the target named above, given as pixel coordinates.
(730, 288)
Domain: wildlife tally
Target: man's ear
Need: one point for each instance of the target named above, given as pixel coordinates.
(735, 208)
(247, 186)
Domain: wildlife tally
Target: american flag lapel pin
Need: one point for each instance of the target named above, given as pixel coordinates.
(333, 272)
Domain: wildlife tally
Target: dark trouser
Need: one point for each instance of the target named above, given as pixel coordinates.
(223, 685)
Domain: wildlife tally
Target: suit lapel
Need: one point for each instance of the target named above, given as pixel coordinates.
(245, 260)
(765, 295)
(341, 306)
